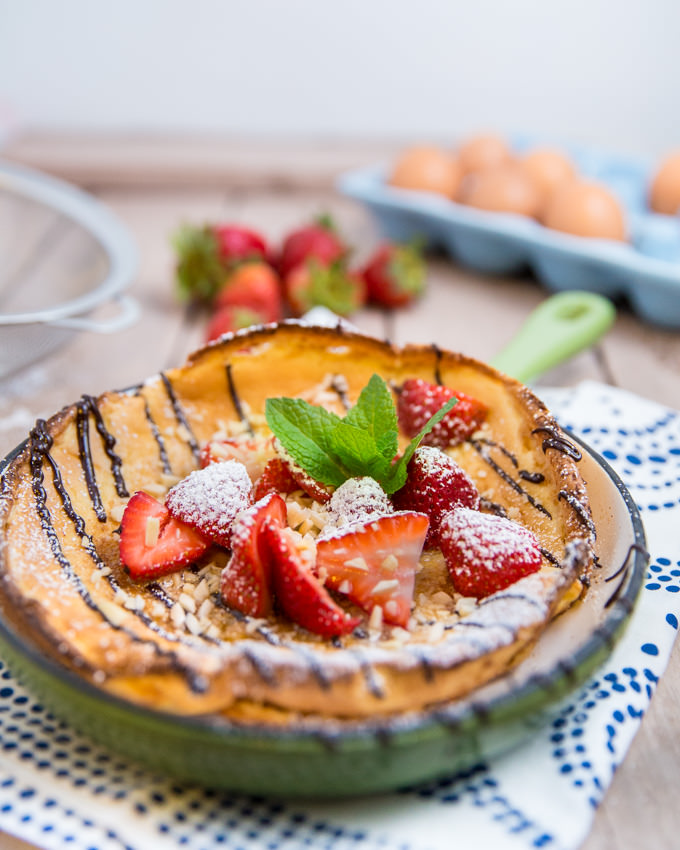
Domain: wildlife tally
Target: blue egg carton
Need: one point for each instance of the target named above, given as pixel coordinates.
(645, 270)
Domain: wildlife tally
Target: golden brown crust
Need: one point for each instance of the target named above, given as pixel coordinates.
(62, 580)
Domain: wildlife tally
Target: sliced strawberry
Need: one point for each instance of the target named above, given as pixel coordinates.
(303, 481)
(299, 592)
(435, 484)
(208, 499)
(245, 450)
(152, 543)
(246, 582)
(375, 564)
(486, 553)
(276, 477)
(419, 400)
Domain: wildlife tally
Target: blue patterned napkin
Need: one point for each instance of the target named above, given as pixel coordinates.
(59, 790)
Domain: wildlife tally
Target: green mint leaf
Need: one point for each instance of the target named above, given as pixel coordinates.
(397, 474)
(375, 413)
(358, 451)
(305, 432)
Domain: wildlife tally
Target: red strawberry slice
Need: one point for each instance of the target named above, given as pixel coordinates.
(303, 481)
(299, 592)
(419, 400)
(375, 564)
(486, 553)
(435, 484)
(246, 582)
(243, 449)
(152, 543)
(208, 499)
(276, 478)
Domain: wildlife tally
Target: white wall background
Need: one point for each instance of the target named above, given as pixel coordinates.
(601, 72)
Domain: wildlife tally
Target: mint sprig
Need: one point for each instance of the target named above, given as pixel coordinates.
(332, 449)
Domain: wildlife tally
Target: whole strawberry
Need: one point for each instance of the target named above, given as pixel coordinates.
(254, 286)
(236, 243)
(420, 399)
(486, 553)
(318, 241)
(435, 484)
(206, 255)
(394, 275)
(333, 286)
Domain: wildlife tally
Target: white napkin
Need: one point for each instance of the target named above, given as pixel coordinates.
(59, 790)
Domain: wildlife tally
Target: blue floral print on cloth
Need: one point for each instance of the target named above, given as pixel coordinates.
(59, 790)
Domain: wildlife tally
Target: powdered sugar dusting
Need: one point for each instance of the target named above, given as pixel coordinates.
(212, 497)
(486, 540)
(357, 501)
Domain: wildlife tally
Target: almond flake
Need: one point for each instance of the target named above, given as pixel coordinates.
(357, 563)
(391, 562)
(152, 531)
(386, 585)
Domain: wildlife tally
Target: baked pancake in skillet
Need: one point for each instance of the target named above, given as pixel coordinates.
(405, 579)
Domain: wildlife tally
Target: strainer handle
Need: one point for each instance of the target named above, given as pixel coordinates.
(129, 312)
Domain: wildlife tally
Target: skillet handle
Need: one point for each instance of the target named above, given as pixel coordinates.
(560, 327)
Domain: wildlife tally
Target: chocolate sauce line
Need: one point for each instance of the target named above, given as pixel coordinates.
(372, 684)
(340, 392)
(513, 595)
(550, 557)
(508, 478)
(437, 365)
(181, 417)
(236, 401)
(109, 444)
(555, 440)
(158, 437)
(273, 639)
(524, 474)
(426, 668)
(579, 510)
(85, 454)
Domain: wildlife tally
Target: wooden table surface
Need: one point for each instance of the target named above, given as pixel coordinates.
(155, 185)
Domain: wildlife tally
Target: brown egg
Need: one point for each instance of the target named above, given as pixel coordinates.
(664, 193)
(426, 169)
(505, 188)
(547, 168)
(585, 209)
(483, 151)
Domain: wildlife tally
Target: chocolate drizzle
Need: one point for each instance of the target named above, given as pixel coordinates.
(555, 440)
(524, 474)
(481, 448)
(236, 401)
(180, 416)
(158, 437)
(86, 407)
(437, 364)
(579, 510)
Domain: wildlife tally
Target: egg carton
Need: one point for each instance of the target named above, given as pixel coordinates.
(644, 271)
